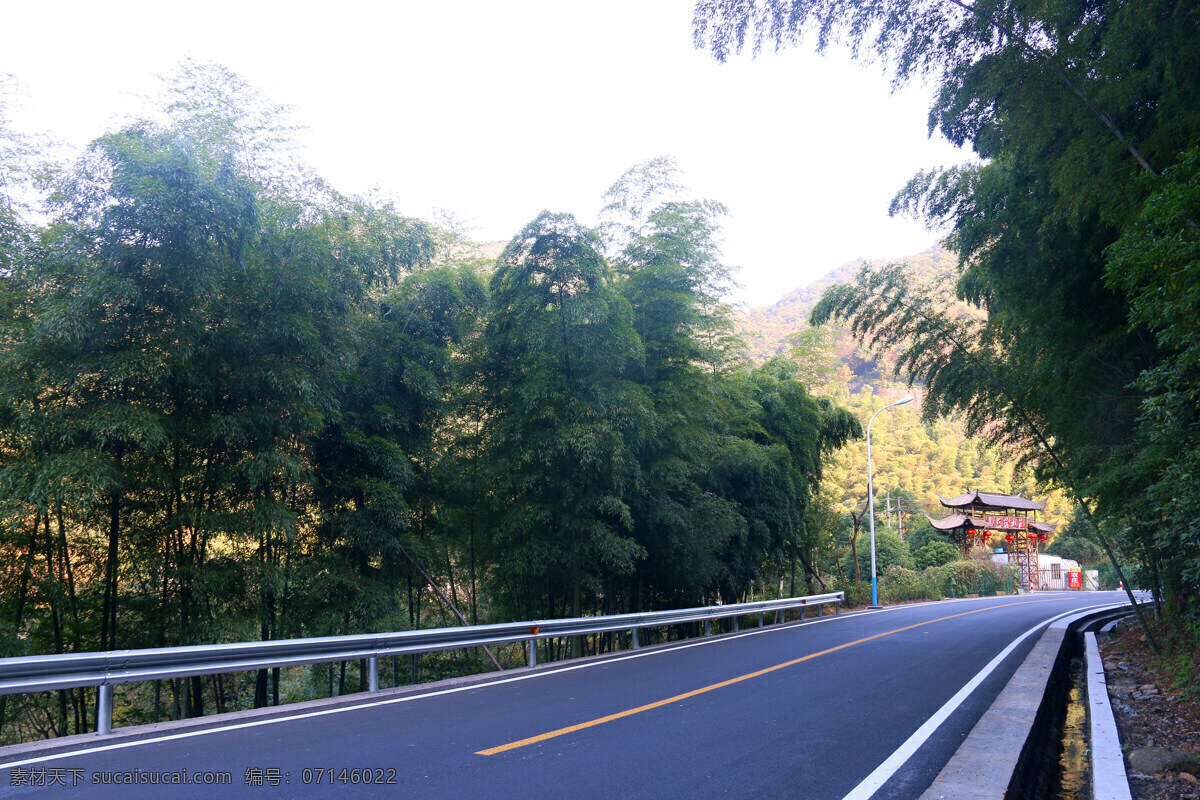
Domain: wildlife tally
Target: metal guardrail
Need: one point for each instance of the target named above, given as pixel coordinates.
(104, 670)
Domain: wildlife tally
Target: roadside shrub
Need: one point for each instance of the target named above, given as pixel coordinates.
(959, 578)
(1108, 577)
(889, 549)
(922, 535)
(935, 553)
(969, 576)
(931, 582)
(857, 594)
(899, 584)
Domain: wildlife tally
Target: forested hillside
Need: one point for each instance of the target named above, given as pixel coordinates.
(915, 459)
(767, 329)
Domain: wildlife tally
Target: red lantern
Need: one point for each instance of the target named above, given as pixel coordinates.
(1009, 538)
(1041, 537)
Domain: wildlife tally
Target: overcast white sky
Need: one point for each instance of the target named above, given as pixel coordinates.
(497, 110)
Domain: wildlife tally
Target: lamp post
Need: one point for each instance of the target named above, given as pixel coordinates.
(871, 498)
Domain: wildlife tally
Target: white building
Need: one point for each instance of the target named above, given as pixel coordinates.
(1054, 572)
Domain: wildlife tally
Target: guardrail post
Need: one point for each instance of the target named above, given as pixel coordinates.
(837, 607)
(735, 624)
(635, 644)
(760, 619)
(533, 652)
(104, 710)
(708, 627)
(373, 674)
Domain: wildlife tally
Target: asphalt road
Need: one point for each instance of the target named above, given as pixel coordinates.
(804, 710)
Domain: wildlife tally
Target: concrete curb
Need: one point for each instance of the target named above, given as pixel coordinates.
(983, 765)
(986, 763)
(1109, 779)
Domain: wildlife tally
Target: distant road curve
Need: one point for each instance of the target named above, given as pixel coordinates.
(866, 704)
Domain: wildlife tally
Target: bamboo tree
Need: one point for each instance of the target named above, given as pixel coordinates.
(950, 355)
(559, 349)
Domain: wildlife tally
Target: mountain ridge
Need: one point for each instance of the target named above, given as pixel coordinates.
(766, 328)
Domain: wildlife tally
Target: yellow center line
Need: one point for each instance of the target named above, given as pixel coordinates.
(541, 737)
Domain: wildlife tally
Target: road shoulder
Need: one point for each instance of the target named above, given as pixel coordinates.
(983, 765)
(1159, 728)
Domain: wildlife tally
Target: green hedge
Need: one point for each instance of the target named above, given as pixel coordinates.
(958, 579)
(857, 594)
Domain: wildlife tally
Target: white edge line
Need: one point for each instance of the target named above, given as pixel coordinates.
(883, 773)
(455, 690)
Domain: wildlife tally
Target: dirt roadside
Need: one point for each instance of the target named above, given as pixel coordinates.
(1159, 727)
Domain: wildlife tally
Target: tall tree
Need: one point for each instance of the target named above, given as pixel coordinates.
(666, 254)
(376, 459)
(185, 333)
(559, 351)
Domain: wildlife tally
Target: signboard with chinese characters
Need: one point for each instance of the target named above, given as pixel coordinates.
(1005, 523)
(1074, 579)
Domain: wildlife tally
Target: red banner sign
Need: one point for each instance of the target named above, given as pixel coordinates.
(1074, 580)
(1005, 523)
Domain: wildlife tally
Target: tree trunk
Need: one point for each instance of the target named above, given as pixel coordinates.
(441, 595)
(22, 593)
(53, 597)
(576, 641)
(108, 611)
(854, 546)
(474, 591)
(197, 697)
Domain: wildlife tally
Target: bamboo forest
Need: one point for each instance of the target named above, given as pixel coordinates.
(237, 404)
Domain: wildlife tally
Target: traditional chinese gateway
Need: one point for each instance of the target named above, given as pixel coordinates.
(978, 516)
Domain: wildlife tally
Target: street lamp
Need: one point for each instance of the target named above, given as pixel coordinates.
(871, 498)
